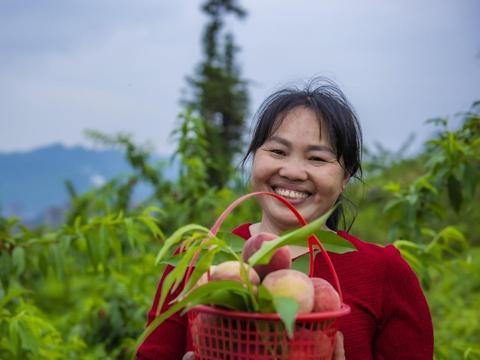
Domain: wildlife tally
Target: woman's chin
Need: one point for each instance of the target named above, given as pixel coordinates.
(287, 219)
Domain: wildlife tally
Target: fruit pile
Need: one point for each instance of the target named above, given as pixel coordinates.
(311, 294)
(218, 335)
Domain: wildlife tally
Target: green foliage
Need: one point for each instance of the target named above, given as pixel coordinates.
(46, 275)
(82, 290)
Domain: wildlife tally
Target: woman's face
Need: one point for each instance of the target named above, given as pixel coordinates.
(297, 162)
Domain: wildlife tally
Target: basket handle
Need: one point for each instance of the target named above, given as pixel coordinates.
(312, 240)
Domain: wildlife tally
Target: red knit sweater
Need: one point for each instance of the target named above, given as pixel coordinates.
(390, 318)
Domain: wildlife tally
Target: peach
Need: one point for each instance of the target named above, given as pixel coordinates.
(281, 258)
(326, 297)
(204, 278)
(230, 270)
(293, 284)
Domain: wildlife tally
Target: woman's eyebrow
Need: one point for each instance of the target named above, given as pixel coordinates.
(320, 148)
(280, 140)
(309, 147)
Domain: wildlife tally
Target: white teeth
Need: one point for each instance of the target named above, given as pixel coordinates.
(291, 194)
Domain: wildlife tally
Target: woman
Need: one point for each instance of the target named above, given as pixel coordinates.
(306, 147)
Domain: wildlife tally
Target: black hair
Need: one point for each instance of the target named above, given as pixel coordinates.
(335, 114)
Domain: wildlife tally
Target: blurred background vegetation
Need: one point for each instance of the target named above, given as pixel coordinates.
(82, 289)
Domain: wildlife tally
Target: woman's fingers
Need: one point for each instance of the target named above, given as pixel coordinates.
(189, 356)
(339, 351)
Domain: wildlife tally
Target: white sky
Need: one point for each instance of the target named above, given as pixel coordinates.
(117, 65)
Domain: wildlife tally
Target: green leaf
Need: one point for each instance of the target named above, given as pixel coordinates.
(12, 294)
(18, 259)
(43, 263)
(92, 250)
(235, 242)
(392, 187)
(227, 298)
(5, 263)
(174, 278)
(56, 260)
(203, 264)
(6, 267)
(452, 236)
(265, 300)
(130, 232)
(331, 241)
(177, 237)
(423, 183)
(392, 204)
(302, 263)
(103, 244)
(27, 337)
(287, 309)
(152, 225)
(454, 192)
(148, 211)
(116, 246)
(220, 257)
(334, 243)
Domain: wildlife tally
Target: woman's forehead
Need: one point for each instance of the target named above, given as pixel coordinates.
(300, 119)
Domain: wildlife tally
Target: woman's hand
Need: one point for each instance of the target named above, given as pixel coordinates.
(338, 352)
(189, 356)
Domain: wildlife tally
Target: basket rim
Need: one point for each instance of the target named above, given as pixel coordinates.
(344, 310)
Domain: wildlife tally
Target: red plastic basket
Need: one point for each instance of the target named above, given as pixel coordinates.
(224, 334)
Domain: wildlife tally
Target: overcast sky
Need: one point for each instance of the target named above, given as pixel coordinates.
(117, 65)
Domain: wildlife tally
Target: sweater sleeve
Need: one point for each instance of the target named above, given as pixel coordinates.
(169, 340)
(406, 330)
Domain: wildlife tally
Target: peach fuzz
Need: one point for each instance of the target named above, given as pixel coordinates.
(326, 297)
(230, 270)
(281, 258)
(293, 284)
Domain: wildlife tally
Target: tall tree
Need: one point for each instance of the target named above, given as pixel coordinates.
(218, 93)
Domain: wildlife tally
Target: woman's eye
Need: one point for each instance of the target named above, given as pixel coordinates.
(317, 158)
(277, 151)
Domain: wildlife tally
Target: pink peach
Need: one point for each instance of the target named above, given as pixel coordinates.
(326, 297)
(293, 284)
(230, 270)
(281, 258)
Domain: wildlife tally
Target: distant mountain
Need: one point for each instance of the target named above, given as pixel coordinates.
(33, 181)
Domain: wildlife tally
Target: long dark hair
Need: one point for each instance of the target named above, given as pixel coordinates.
(335, 113)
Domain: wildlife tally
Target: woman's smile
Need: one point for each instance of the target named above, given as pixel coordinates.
(294, 196)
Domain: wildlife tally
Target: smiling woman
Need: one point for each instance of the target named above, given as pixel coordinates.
(306, 146)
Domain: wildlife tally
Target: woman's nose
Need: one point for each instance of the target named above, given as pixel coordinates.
(293, 169)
